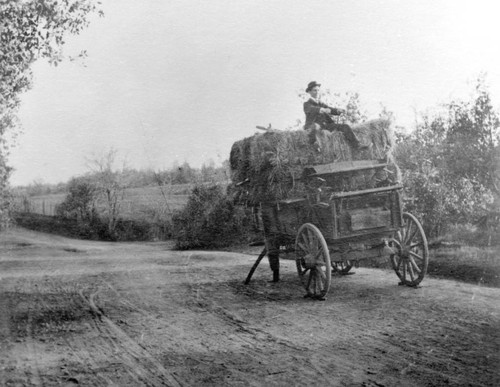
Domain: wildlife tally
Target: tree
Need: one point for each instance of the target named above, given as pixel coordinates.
(450, 162)
(30, 30)
(208, 171)
(183, 174)
(110, 186)
(472, 140)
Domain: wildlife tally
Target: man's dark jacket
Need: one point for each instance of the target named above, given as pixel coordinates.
(313, 116)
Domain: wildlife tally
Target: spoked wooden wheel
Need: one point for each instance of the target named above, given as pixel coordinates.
(412, 252)
(342, 267)
(313, 261)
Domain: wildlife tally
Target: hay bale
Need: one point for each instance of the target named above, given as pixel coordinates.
(267, 166)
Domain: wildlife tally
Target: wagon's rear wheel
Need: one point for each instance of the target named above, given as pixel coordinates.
(342, 267)
(412, 252)
(313, 261)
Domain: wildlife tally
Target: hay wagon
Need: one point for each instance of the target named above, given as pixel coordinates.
(329, 230)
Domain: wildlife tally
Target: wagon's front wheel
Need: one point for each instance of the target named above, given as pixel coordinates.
(412, 252)
(313, 261)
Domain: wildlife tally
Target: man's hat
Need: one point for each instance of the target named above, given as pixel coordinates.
(312, 85)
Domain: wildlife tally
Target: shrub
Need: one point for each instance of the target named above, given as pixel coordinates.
(473, 235)
(132, 230)
(80, 203)
(209, 220)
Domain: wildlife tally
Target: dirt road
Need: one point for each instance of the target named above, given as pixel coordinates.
(92, 314)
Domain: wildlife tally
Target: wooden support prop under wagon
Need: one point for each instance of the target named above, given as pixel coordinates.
(330, 231)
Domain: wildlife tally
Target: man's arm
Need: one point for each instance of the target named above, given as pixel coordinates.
(310, 108)
(333, 111)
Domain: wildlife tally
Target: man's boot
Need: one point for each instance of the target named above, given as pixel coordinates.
(274, 263)
(276, 275)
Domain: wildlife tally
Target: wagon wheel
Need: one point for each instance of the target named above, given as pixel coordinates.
(412, 252)
(342, 267)
(313, 261)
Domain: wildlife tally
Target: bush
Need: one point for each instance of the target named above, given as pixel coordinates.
(209, 220)
(53, 225)
(440, 203)
(132, 230)
(80, 202)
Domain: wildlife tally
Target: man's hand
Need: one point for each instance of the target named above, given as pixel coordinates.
(325, 110)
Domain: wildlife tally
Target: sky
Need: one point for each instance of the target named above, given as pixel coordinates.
(179, 81)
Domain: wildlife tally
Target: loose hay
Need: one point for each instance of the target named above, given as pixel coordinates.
(268, 166)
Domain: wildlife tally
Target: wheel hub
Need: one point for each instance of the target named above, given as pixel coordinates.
(309, 261)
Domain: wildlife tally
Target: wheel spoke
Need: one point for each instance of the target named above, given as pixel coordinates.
(395, 243)
(404, 230)
(404, 268)
(412, 246)
(310, 237)
(309, 280)
(398, 265)
(320, 277)
(305, 239)
(313, 239)
(414, 265)
(319, 253)
(315, 280)
(416, 255)
(301, 245)
(407, 231)
(302, 271)
(409, 239)
(410, 270)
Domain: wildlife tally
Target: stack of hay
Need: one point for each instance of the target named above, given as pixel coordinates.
(269, 166)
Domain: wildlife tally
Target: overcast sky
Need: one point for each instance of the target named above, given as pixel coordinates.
(182, 80)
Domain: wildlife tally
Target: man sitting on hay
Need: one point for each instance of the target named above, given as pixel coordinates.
(319, 117)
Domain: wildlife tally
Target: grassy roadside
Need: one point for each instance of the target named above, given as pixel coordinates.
(476, 265)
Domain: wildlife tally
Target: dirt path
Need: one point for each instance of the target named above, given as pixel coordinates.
(89, 313)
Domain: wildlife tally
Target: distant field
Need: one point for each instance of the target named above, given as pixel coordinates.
(138, 203)
(43, 204)
(147, 202)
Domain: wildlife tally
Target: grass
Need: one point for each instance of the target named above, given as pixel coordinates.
(479, 265)
(472, 264)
